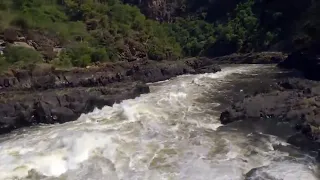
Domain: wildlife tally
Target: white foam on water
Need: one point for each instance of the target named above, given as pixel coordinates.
(285, 171)
(167, 134)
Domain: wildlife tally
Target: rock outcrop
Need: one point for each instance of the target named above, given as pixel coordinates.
(293, 102)
(43, 94)
(43, 42)
(252, 58)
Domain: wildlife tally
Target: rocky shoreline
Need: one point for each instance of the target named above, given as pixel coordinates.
(43, 94)
(252, 58)
(47, 95)
(292, 103)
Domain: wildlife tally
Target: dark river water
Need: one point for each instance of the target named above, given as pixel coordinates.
(172, 133)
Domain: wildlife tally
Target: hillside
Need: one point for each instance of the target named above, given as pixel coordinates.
(79, 33)
(256, 24)
(86, 32)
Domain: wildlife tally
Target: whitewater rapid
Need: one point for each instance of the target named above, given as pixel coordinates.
(171, 133)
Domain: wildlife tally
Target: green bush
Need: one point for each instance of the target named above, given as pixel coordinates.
(21, 22)
(154, 53)
(99, 55)
(62, 61)
(17, 54)
(79, 54)
(3, 63)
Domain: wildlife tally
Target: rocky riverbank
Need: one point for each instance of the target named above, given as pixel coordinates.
(43, 94)
(252, 58)
(292, 103)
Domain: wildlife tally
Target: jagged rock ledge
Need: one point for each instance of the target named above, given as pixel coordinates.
(47, 95)
(292, 105)
(252, 58)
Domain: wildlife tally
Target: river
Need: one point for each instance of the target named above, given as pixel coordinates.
(172, 133)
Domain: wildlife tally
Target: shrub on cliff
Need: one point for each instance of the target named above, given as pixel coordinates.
(3, 63)
(79, 54)
(63, 61)
(99, 55)
(21, 55)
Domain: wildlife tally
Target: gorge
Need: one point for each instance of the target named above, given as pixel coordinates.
(159, 89)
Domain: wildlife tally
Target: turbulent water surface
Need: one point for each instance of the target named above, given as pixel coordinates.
(172, 133)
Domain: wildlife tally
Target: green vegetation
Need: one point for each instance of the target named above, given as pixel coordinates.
(193, 36)
(19, 56)
(197, 37)
(94, 31)
(90, 31)
(242, 27)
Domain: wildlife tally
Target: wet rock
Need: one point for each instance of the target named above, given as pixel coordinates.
(62, 114)
(208, 69)
(61, 106)
(294, 101)
(300, 140)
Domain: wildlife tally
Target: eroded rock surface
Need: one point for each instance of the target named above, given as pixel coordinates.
(294, 102)
(44, 94)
